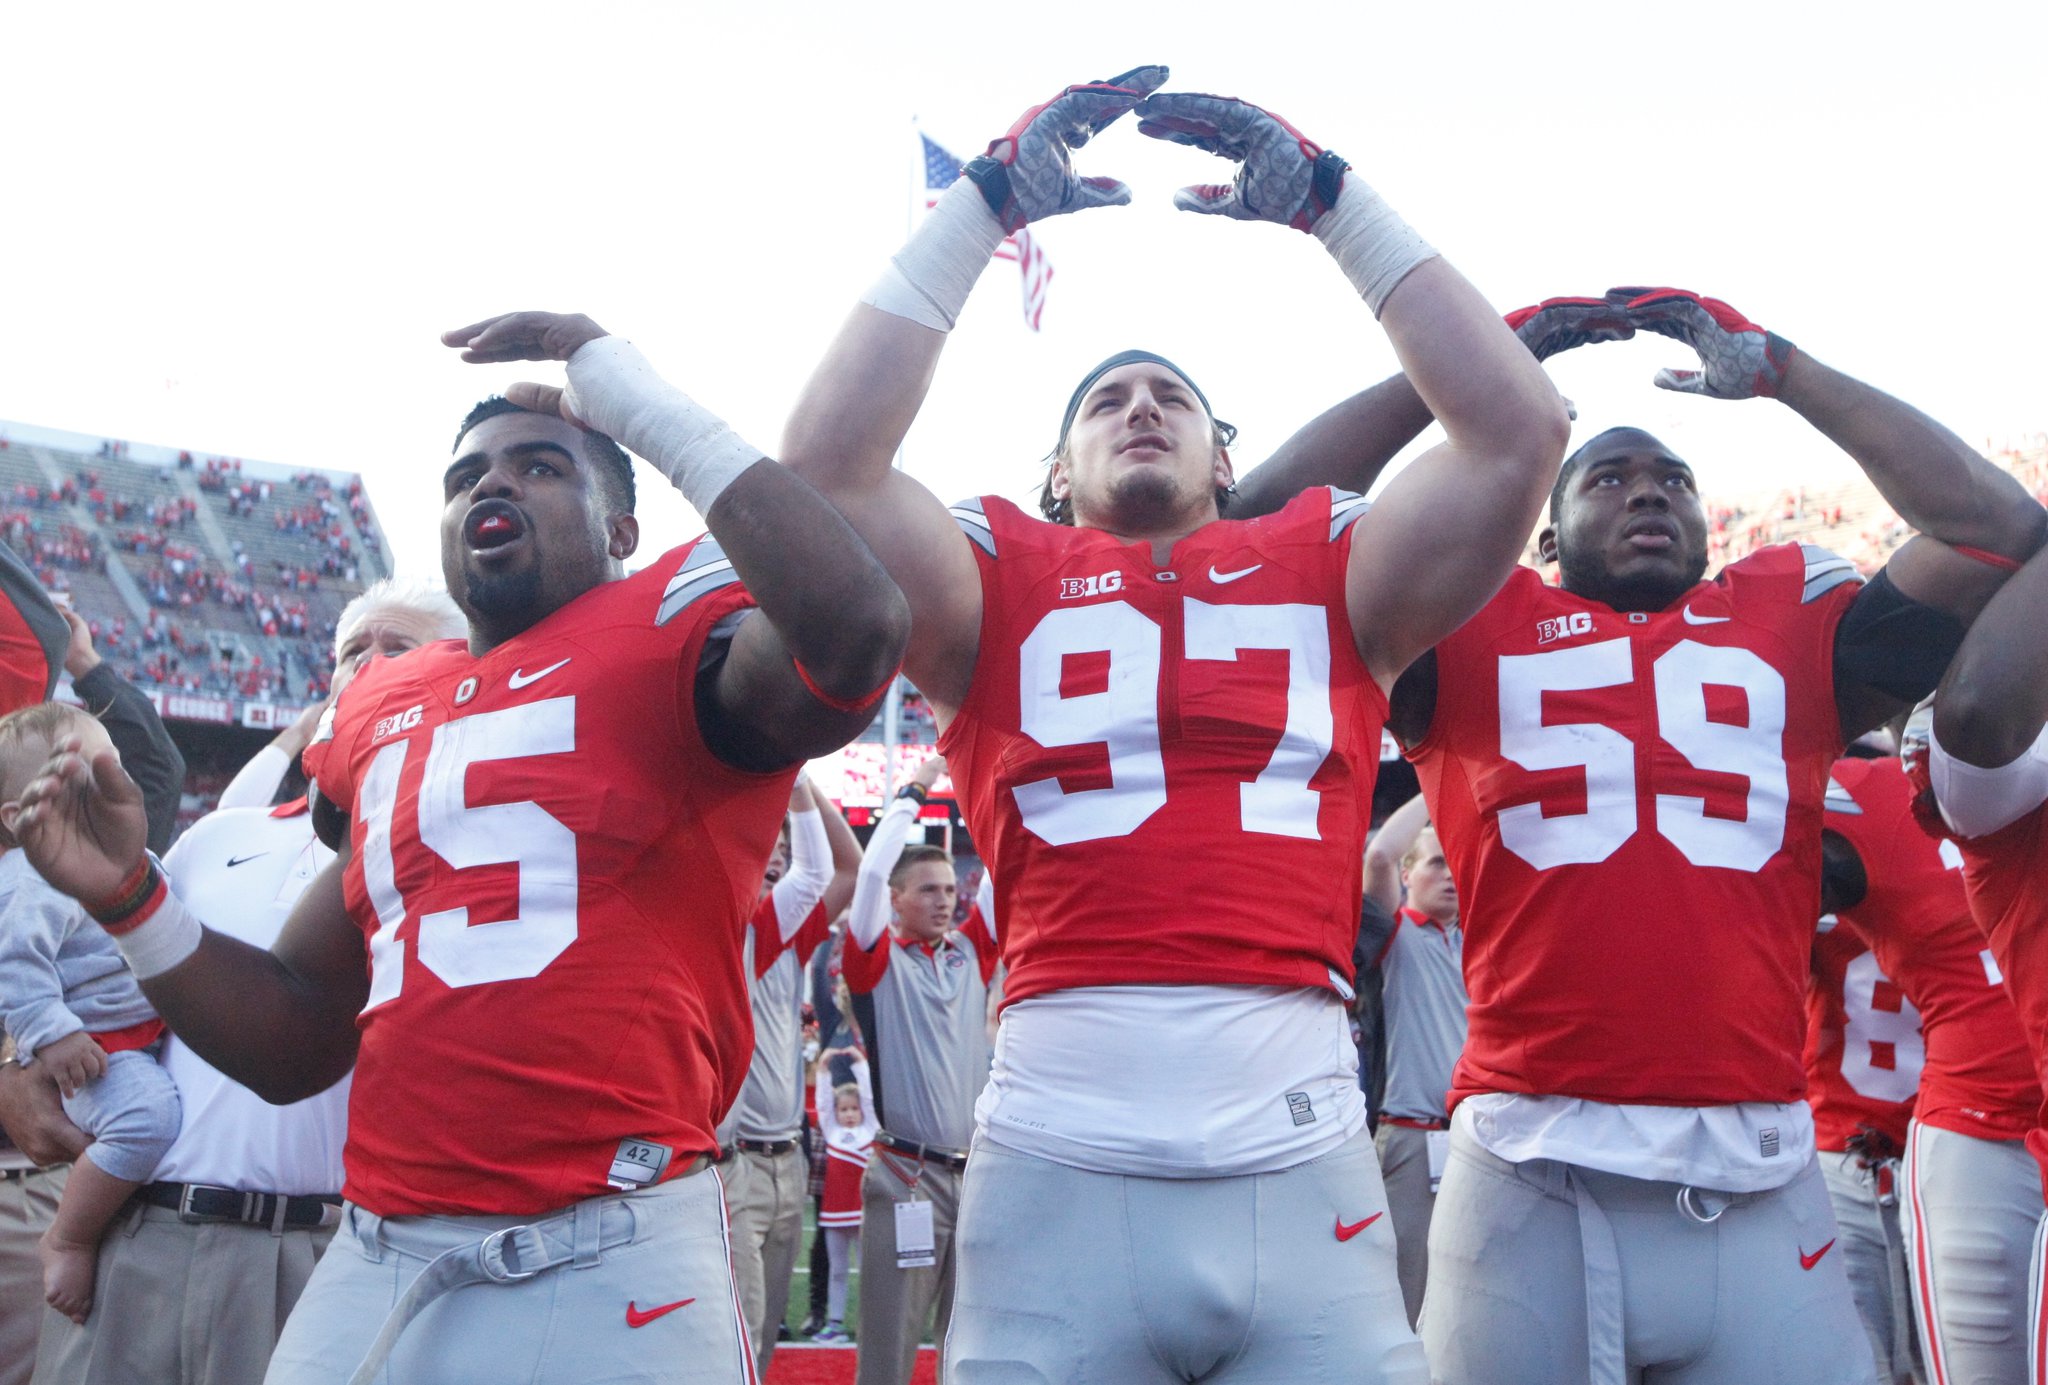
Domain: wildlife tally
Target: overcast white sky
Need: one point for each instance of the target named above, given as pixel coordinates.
(240, 229)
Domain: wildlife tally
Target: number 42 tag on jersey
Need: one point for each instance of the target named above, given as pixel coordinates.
(916, 1242)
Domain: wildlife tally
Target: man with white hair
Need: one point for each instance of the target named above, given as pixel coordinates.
(198, 1277)
(387, 617)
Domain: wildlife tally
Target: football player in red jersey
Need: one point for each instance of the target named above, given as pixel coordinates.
(1623, 1132)
(1988, 764)
(1165, 726)
(1972, 1192)
(530, 946)
(1864, 1052)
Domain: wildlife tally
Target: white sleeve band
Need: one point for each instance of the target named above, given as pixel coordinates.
(161, 941)
(930, 277)
(1976, 801)
(1369, 241)
(614, 390)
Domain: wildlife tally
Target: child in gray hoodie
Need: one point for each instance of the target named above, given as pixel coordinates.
(71, 1003)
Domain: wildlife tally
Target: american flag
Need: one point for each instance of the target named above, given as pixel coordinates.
(941, 169)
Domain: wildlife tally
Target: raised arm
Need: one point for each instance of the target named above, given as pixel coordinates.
(858, 405)
(1386, 847)
(1349, 444)
(803, 885)
(280, 1022)
(868, 919)
(256, 783)
(1505, 426)
(132, 723)
(805, 675)
(1933, 479)
(845, 855)
(1990, 754)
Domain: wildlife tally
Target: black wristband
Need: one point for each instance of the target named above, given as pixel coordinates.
(993, 178)
(916, 791)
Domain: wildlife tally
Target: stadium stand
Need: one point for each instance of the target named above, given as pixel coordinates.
(211, 583)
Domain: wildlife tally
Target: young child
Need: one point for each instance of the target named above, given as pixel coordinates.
(846, 1114)
(73, 1006)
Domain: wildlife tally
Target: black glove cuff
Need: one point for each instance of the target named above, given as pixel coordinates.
(992, 176)
(1329, 178)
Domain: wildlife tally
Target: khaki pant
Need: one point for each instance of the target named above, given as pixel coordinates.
(181, 1304)
(26, 1207)
(896, 1303)
(1404, 1169)
(767, 1228)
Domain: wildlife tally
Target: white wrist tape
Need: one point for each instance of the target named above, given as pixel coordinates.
(929, 279)
(614, 390)
(1371, 244)
(167, 937)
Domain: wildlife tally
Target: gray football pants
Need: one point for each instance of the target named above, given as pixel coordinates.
(648, 1298)
(1866, 1202)
(1972, 1207)
(1543, 1272)
(1075, 1278)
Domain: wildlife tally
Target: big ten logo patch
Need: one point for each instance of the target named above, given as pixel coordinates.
(1071, 587)
(1577, 623)
(397, 722)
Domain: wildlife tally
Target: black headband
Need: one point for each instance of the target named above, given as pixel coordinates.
(1124, 358)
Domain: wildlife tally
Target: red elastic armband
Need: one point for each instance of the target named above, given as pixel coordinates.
(1990, 559)
(133, 900)
(840, 704)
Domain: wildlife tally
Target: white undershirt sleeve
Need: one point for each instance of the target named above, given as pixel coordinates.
(868, 917)
(255, 784)
(1976, 801)
(985, 900)
(810, 871)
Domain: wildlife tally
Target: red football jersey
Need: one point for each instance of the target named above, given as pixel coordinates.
(1631, 805)
(1168, 767)
(1864, 1049)
(1915, 915)
(2006, 874)
(33, 636)
(553, 874)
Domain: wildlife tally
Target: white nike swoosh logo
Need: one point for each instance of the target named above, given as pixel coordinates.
(520, 678)
(1691, 619)
(1220, 577)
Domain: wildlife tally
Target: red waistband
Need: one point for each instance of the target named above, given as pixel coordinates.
(1407, 1124)
(133, 1037)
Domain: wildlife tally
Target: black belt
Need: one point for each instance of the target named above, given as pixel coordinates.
(767, 1147)
(955, 1159)
(23, 1175)
(195, 1202)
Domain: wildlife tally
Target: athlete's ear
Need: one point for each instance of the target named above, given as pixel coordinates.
(1225, 474)
(624, 536)
(1546, 543)
(1061, 484)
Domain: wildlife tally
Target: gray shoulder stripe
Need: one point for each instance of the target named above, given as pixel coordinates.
(1828, 580)
(1838, 800)
(973, 522)
(705, 571)
(1346, 508)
